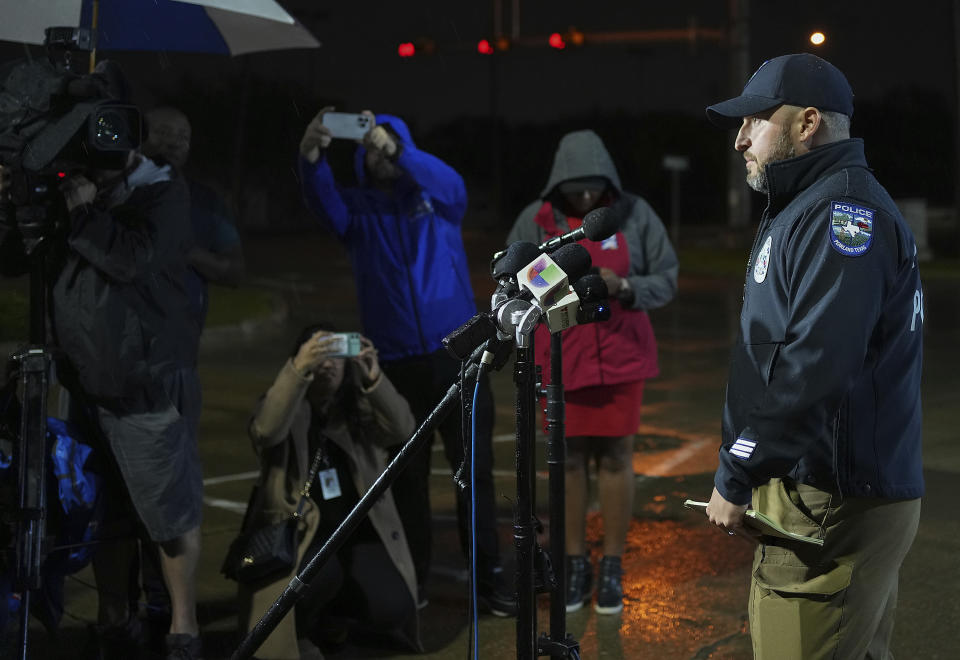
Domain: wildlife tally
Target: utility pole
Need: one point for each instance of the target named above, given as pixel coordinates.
(956, 175)
(738, 196)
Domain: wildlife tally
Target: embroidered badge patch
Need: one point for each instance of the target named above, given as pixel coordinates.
(609, 243)
(743, 448)
(762, 263)
(851, 228)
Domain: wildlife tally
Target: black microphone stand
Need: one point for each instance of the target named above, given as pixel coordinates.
(524, 523)
(558, 644)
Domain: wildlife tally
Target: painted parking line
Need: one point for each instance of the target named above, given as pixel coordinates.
(661, 467)
(241, 476)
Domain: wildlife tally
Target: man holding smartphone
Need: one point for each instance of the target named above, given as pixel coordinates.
(401, 226)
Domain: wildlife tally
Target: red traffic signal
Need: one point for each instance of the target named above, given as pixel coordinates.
(406, 49)
(556, 41)
(484, 47)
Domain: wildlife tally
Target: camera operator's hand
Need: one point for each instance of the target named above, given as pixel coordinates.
(316, 137)
(78, 190)
(367, 363)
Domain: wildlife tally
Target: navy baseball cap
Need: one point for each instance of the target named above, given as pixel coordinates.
(801, 79)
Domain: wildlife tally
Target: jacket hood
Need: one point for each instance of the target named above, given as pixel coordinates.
(580, 154)
(399, 128)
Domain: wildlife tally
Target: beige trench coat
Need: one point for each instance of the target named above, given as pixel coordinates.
(279, 431)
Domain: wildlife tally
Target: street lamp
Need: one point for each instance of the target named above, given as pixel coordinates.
(817, 38)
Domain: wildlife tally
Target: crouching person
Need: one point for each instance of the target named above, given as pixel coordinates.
(331, 417)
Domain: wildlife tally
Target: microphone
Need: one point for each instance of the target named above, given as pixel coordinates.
(591, 288)
(548, 278)
(586, 303)
(597, 225)
(504, 269)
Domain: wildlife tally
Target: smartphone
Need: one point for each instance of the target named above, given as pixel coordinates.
(346, 125)
(343, 344)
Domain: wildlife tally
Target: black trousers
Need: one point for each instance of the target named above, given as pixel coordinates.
(359, 581)
(423, 381)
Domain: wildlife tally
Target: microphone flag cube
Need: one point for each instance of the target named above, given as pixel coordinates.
(563, 313)
(544, 279)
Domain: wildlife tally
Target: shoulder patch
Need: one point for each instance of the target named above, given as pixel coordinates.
(743, 448)
(851, 228)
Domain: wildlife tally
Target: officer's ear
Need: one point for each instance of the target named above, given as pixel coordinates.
(810, 121)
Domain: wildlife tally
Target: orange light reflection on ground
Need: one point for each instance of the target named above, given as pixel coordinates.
(663, 564)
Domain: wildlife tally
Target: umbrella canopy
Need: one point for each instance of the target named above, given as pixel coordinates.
(229, 27)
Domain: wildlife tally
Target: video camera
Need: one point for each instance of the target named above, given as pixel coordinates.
(55, 123)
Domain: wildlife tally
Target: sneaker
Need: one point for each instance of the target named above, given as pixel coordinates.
(183, 647)
(113, 642)
(579, 582)
(609, 587)
(495, 601)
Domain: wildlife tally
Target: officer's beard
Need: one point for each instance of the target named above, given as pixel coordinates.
(782, 150)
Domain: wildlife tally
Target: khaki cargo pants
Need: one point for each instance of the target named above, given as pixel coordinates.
(837, 601)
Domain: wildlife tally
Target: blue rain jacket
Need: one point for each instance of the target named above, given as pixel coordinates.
(407, 253)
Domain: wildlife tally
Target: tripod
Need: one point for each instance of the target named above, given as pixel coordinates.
(33, 369)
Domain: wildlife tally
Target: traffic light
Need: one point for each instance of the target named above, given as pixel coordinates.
(419, 46)
(572, 37)
(484, 47)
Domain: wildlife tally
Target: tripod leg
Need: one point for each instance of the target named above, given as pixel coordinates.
(32, 452)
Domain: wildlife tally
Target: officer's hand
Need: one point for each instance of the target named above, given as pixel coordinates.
(78, 190)
(316, 137)
(725, 515)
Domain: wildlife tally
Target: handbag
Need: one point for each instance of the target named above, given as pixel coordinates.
(271, 550)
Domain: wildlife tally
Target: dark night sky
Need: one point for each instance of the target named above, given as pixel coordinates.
(880, 45)
(899, 58)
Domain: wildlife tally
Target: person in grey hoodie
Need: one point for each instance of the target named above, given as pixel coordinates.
(604, 364)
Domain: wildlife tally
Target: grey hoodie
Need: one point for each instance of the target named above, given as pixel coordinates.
(653, 262)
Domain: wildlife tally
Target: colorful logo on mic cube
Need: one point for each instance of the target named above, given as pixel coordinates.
(545, 279)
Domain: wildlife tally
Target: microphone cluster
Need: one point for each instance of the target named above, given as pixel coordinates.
(549, 283)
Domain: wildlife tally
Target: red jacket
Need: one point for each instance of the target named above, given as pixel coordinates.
(620, 350)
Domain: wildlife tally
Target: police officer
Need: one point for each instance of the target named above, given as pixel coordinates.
(821, 426)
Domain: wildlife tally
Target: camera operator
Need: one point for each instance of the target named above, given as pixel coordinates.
(120, 314)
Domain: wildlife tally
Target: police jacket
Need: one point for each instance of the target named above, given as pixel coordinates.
(824, 382)
(406, 250)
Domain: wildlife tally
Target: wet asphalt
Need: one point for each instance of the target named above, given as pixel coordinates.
(685, 583)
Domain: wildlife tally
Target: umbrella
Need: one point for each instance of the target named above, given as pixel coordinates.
(229, 27)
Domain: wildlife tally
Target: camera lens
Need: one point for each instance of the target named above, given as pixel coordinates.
(111, 130)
